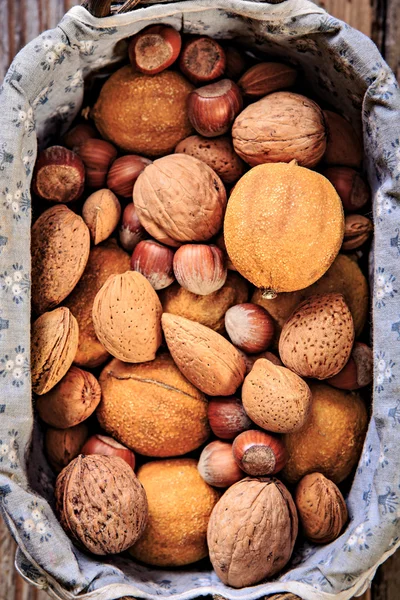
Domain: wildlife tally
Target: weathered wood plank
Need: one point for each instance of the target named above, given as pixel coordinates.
(359, 13)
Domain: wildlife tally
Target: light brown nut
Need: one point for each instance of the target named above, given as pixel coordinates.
(204, 357)
(316, 341)
(152, 408)
(63, 445)
(126, 317)
(321, 507)
(252, 531)
(217, 153)
(266, 77)
(279, 128)
(104, 260)
(101, 213)
(275, 398)
(71, 401)
(180, 199)
(208, 310)
(357, 230)
(60, 246)
(54, 343)
(101, 504)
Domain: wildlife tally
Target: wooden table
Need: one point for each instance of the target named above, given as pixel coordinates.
(23, 20)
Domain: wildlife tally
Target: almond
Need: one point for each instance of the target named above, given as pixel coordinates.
(267, 77)
(60, 248)
(317, 339)
(54, 344)
(126, 317)
(204, 357)
(357, 230)
(275, 398)
(101, 213)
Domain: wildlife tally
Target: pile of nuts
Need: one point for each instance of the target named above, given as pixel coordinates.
(217, 315)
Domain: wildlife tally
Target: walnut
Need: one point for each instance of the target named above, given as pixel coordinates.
(322, 509)
(101, 504)
(252, 531)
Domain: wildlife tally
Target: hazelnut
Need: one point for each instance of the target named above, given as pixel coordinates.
(357, 230)
(101, 213)
(59, 175)
(97, 156)
(217, 466)
(154, 261)
(250, 327)
(351, 187)
(199, 268)
(202, 60)
(267, 77)
(357, 372)
(235, 63)
(154, 49)
(63, 445)
(343, 146)
(227, 417)
(77, 135)
(131, 231)
(258, 453)
(71, 401)
(107, 446)
(321, 507)
(213, 108)
(101, 504)
(124, 172)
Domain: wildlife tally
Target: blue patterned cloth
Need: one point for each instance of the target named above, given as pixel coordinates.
(41, 95)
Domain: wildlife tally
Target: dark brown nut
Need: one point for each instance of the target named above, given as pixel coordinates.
(357, 230)
(357, 372)
(321, 507)
(71, 401)
(343, 146)
(267, 77)
(252, 531)
(202, 60)
(354, 192)
(63, 445)
(59, 175)
(213, 108)
(101, 504)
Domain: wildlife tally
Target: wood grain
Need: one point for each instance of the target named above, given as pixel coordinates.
(20, 22)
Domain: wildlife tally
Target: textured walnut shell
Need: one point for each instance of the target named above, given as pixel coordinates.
(101, 213)
(208, 310)
(252, 531)
(275, 398)
(101, 504)
(316, 341)
(180, 199)
(279, 128)
(71, 401)
(152, 408)
(63, 445)
(60, 246)
(104, 260)
(54, 343)
(204, 357)
(217, 153)
(126, 317)
(321, 508)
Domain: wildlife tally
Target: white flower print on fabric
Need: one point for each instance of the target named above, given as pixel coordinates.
(16, 282)
(9, 450)
(384, 205)
(383, 457)
(35, 523)
(87, 47)
(62, 114)
(28, 161)
(384, 287)
(53, 52)
(15, 366)
(43, 96)
(75, 81)
(17, 201)
(365, 460)
(24, 118)
(384, 371)
(358, 539)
